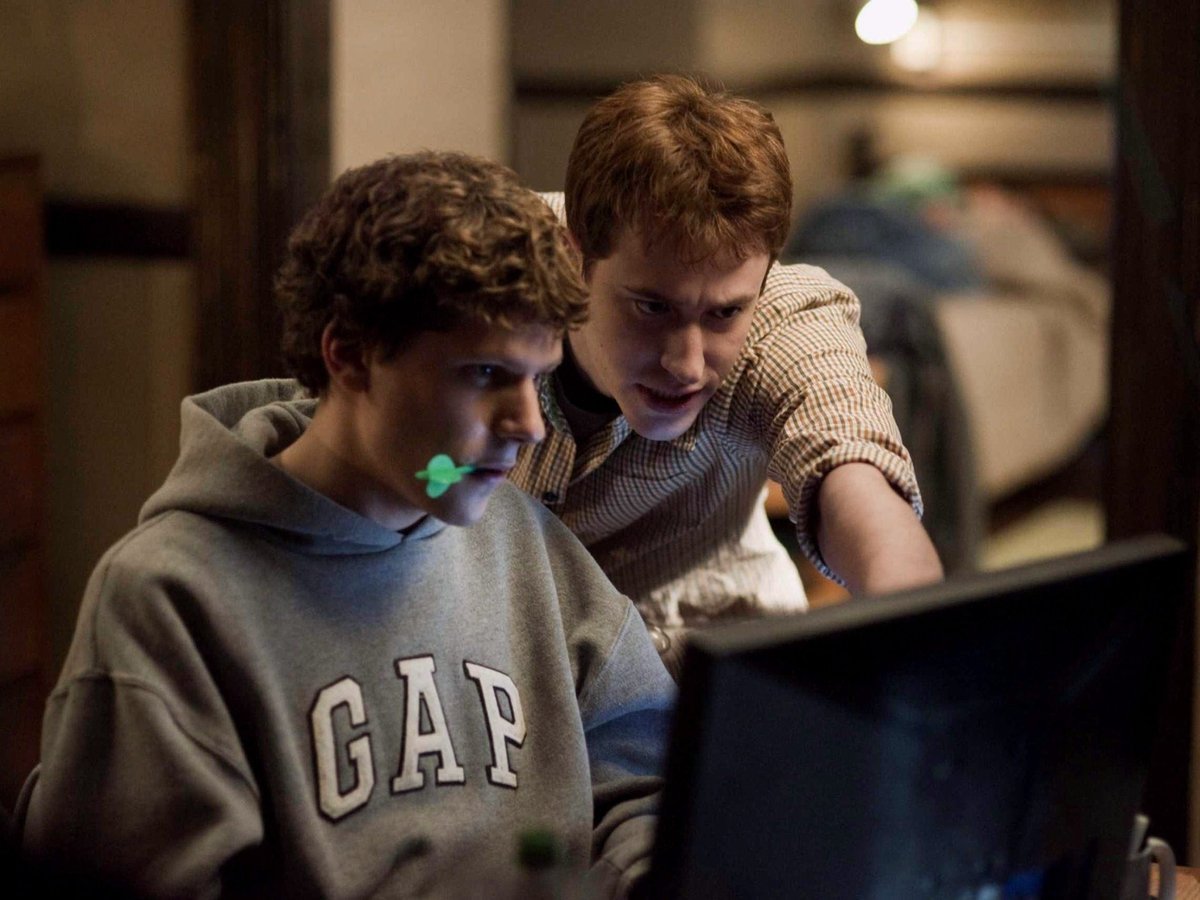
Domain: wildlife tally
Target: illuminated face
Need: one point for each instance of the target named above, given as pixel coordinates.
(662, 334)
(470, 394)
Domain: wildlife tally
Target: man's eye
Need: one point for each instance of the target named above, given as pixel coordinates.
(727, 312)
(481, 374)
(650, 307)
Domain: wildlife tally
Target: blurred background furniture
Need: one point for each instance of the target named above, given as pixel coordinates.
(989, 310)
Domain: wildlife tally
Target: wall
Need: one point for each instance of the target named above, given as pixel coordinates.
(744, 41)
(561, 48)
(98, 89)
(566, 39)
(805, 64)
(411, 75)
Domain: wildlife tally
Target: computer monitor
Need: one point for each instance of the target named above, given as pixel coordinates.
(983, 738)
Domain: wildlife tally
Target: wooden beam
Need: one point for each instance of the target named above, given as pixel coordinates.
(77, 228)
(1154, 451)
(586, 90)
(260, 114)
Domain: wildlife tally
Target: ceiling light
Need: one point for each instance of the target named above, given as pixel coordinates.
(884, 21)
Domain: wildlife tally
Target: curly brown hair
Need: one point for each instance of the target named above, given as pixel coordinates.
(422, 242)
(684, 164)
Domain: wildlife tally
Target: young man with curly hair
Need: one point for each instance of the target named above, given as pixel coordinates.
(293, 679)
(706, 367)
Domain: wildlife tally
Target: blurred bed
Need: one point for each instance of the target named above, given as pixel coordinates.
(985, 303)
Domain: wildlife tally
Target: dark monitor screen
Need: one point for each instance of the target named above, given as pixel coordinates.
(983, 738)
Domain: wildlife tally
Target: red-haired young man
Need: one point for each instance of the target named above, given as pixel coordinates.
(706, 367)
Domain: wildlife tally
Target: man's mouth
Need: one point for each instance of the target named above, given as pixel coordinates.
(492, 469)
(667, 401)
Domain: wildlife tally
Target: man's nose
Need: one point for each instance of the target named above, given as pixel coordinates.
(683, 355)
(521, 417)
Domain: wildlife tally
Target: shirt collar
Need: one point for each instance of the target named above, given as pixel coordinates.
(558, 421)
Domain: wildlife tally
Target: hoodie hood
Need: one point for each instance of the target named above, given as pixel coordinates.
(227, 436)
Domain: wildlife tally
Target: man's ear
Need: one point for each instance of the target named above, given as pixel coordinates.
(345, 361)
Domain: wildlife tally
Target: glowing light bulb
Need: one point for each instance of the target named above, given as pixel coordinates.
(884, 21)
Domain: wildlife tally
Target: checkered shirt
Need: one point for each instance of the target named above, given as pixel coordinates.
(679, 525)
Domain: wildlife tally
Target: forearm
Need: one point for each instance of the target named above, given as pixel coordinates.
(869, 535)
(624, 837)
(626, 715)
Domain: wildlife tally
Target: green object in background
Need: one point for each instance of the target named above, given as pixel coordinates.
(914, 181)
(441, 473)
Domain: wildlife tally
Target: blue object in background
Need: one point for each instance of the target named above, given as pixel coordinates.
(853, 224)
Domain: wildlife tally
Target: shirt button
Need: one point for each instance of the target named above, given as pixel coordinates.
(550, 497)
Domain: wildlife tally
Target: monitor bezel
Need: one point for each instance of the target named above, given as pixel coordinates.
(710, 649)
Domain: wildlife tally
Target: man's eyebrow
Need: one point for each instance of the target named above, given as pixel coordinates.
(650, 294)
(659, 297)
(745, 300)
(508, 363)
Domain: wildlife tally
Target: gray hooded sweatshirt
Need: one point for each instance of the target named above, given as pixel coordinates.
(268, 693)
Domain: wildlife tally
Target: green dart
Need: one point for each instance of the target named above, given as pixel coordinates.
(441, 472)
